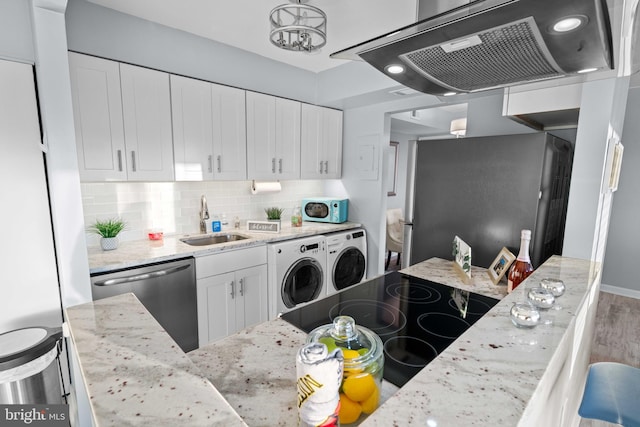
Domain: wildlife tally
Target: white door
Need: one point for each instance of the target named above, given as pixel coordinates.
(311, 146)
(332, 141)
(192, 129)
(261, 136)
(321, 144)
(229, 133)
(146, 106)
(30, 291)
(251, 308)
(216, 307)
(287, 139)
(97, 113)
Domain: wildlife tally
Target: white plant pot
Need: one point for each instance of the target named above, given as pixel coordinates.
(109, 243)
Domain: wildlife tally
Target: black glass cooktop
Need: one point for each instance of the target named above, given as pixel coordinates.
(416, 319)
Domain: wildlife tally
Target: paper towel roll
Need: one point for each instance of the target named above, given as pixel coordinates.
(265, 187)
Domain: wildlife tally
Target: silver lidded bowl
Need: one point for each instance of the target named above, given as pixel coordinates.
(524, 315)
(556, 286)
(540, 297)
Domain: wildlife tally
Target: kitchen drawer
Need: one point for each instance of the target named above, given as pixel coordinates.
(230, 261)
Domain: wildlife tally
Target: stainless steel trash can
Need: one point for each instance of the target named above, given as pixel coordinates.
(29, 372)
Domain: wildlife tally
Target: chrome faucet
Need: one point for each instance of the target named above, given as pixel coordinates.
(204, 214)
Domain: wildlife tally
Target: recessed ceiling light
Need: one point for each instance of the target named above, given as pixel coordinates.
(449, 94)
(569, 23)
(394, 69)
(587, 70)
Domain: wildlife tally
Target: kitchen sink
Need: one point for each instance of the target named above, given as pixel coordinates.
(213, 239)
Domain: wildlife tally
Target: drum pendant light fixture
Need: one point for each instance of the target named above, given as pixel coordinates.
(298, 27)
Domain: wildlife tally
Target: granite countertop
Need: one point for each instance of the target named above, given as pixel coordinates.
(491, 373)
(139, 252)
(256, 368)
(473, 382)
(441, 271)
(489, 376)
(138, 375)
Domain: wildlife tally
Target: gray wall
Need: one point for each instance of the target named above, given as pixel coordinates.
(16, 38)
(103, 32)
(624, 232)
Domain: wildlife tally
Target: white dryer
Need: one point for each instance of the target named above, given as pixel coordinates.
(346, 259)
(297, 273)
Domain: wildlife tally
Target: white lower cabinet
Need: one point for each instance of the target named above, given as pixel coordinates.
(232, 292)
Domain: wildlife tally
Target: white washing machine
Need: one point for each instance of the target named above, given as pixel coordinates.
(297, 273)
(346, 259)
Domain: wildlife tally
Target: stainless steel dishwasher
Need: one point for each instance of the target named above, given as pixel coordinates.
(167, 290)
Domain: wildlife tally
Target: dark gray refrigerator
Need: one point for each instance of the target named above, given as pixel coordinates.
(485, 190)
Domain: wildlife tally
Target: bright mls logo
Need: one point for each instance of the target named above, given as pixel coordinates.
(34, 415)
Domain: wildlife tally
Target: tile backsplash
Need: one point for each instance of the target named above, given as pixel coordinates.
(174, 206)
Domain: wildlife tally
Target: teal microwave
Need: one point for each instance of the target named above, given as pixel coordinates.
(325, 209)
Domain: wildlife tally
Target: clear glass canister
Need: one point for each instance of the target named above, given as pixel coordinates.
(363, 365)
(296, 217)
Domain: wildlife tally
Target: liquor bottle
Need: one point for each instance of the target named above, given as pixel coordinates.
(521, 268)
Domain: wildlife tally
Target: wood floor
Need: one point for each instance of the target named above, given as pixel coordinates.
(617, 333)
(616, 337)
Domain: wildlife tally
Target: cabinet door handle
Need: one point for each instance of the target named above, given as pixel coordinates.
(133, 161)
(273, 165)
(233, 289)
(120, 160)
(210, 163)
(326, 166)
(320, 166)
(241, 287)
(219, 159)
(279, 165)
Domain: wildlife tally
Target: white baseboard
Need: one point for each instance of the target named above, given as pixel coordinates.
(625, 292)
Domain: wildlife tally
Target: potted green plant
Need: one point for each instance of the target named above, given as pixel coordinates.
(274, 213)
(108, 231)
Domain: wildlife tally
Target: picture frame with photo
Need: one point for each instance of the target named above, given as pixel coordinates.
(500, 265)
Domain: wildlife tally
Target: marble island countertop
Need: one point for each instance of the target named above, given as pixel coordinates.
(494, 374)
(135, 374)
(442, 271)
(139, 252)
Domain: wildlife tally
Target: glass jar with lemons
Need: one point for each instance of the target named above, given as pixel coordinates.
(363, 365)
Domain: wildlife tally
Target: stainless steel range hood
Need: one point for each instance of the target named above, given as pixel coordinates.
(486, 44)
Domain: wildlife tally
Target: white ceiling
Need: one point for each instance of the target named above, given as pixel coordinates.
(245, 23)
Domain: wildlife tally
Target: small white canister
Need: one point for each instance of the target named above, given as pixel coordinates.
(319, 375)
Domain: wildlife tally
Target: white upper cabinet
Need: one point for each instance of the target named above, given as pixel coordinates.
(146, 108)
(273, 137)
(137, 124)
(192, 129)
(123, 121)
(229, 133)
(97, 113)
(321, 143)
(209, 130)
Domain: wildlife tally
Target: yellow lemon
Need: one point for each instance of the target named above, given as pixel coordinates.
(351, 371)
(349, 410)
(350, 354)
(371, 403)
(359, 387)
